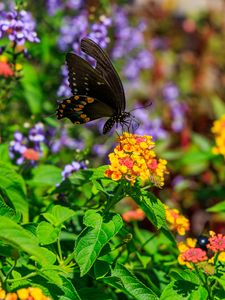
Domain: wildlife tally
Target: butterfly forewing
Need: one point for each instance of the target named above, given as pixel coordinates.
(84, 80)
(107, 71)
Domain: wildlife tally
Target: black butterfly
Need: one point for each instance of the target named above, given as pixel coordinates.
(97, 92)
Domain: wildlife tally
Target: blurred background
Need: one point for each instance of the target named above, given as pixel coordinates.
(169, 53)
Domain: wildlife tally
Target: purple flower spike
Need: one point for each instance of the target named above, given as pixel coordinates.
(18, 26)
(73, 167)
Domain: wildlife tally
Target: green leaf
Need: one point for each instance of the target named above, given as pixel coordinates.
(95, 294)
(99, 173)
(94, 237)
(18, 237)
(7, 211)
(179, 290)
(46, 175)
(69, 291)
(219, 207)
(187, 275)
(13, 186)
(32, 88)
(152, 207)
(46, 233)
(132, 284)
(101, 268)
(59, 214)
(218, 106)
(200, 294)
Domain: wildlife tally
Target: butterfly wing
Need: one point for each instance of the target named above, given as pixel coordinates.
(83, 109)
(92, 96)
(85, 80)
(107, 71)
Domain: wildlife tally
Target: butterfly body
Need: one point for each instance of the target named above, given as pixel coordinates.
(97, 92)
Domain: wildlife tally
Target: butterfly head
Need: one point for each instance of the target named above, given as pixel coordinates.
(125, 119)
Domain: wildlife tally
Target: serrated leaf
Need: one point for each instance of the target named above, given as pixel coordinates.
(187, 275)
(20, 238)
(13, 186)
(98, 173)
(69, 290)
(132, 284)
(62, 214)
(7, 211)
(46, 233)
(179, 290)
(152, 207)
(94, 237)
(52, 276)
(200, 294)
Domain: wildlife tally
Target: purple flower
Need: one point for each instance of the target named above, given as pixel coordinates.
(143, 60)
(17, 147)
(65, 141)
(71, 38)
(53, 6)
(171, 95)
(149, 125)
(99, 32)
(170, 92)
(127, 37)
(18, 26)
(73, 167)
(64, 89)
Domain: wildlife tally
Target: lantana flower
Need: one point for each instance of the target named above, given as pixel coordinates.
(194, 255)
(5, 68)
(177, 222)
(135, 158)
(133, 215)
(31, 293)
(219, 131)
(216, 242)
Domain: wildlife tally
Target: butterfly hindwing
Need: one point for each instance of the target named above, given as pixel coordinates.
(83, 109)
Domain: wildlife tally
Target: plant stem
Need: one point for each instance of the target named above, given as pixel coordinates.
(22, 278)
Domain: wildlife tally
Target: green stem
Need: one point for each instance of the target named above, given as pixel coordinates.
(23, 278)
(69, 259)
(10, 270)
(59, 249)
(204, 282)
(119, 194)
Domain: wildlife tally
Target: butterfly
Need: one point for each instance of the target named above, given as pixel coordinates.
(97, 92)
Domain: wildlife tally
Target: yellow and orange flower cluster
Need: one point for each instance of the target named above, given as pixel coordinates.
(177, 222)
(31, 293)
(219, 131)
(134, 158)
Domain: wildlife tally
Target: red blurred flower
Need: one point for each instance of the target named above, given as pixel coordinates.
(5, 69)
(133, 215)
(30, 154)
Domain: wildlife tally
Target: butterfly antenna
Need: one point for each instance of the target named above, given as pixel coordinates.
(142, 107)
